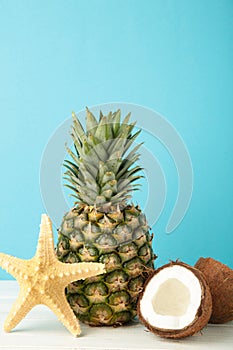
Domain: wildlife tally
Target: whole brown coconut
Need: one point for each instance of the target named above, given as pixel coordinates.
(176, 301)
(220, 280)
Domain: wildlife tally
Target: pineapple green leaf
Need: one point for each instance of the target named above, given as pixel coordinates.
(72, 167)
(74, 156)
(86, 146)
(124, 199)
(91, 122)
(126, 164)
(89, 192)
(92, 169)
(110, 185)
(75, 136)
(135, 177)
(116, 122)
(81, 187)
(108, 176)
(92, 157)
(77, 181)
(67, 175)
(132, 153)
(124, 183)
(102, 170)
(78, 147)
(134, 170)
(131, 140)
(76, 197)
(107, 194)
(112, 145)
(130, 129)
(76, 171)
(114, 164)
(101, 115)
(100, 200)
(101, 129)
(86, 199)
(72, 188)
(92, 140)
(87, 175)
(98, 147)
(81, 196)
(116, 150)
(121, 196)
(77, 126)
(108, 130)
(126, 119)
(123, 131)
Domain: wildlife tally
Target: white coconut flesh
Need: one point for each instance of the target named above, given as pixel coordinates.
(171, 298)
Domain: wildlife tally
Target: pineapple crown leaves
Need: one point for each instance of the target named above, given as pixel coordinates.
(102, 171)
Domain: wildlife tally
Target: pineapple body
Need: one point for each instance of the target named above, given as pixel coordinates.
(119, 239)
(103, 226)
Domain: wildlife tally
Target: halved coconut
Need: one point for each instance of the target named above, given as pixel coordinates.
(220, 280)
(176, 301)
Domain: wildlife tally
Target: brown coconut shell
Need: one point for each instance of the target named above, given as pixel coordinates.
(220, 280)
(203, 313)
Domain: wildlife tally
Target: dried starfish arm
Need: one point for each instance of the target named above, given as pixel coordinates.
(23, 304)
(78, 271)
(15, 266)
(45, 247)
(59, 305)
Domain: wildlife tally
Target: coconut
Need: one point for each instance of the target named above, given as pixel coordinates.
(220, 280)
(175, 302)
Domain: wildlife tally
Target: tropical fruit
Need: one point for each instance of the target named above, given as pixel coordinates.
(220, 280)
(176, 301)
(104, 226)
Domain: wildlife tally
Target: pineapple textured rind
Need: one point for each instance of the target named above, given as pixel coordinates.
(126, 250)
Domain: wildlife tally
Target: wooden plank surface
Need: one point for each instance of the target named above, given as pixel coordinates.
(42, 330)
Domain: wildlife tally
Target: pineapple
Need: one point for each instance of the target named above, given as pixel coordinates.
(103, 226)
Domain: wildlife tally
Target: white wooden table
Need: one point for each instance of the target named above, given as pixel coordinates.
(42, 330)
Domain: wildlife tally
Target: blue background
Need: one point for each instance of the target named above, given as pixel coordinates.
(172, 56)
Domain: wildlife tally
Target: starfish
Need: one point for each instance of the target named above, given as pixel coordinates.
(43, 279)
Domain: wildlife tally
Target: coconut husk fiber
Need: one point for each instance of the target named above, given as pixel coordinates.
(220, 280)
